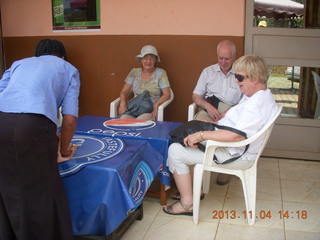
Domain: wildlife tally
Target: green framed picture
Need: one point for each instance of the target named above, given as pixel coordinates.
(75, 15)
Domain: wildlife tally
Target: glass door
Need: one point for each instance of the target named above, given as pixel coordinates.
(286, 34)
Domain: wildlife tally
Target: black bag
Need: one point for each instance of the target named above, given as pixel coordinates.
(139, 105)
(214, 101)
(178, 134)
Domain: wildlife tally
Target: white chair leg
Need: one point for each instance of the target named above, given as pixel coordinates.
(197, 182)
(249, 184)
(206, 181)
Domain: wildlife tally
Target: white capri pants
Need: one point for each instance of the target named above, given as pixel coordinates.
(180, 157)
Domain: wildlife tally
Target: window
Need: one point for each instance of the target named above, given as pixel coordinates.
(76, 14)
(279, 14)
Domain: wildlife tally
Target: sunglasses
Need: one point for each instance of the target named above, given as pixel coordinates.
(240, 77)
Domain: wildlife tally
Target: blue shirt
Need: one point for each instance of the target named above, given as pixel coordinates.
(40, 85)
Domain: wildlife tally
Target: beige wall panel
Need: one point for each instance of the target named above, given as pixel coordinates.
(290, 49)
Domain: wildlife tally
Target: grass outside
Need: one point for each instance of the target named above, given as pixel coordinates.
(279, 81)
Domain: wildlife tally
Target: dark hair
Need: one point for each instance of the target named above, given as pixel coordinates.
(50, 47)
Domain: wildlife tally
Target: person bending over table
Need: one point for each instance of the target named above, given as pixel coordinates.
(33, 202)
(216, 90)
(147, 77)
(253, 111)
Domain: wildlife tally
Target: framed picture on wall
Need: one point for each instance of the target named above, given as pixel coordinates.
(75, 15)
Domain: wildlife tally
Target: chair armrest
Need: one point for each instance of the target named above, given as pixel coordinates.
(114, 108)
(229, 144)
(191, 111)
(163, 105)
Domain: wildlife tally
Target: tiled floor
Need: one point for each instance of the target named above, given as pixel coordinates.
(283, 187)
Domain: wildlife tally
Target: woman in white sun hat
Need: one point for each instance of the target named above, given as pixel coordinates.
(147, 77)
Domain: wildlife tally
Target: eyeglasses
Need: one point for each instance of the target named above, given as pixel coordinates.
(240, 77)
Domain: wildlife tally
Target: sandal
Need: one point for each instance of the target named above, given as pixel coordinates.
(178, 197)
(186, 208)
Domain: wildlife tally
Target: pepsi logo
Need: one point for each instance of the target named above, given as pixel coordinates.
(140, 182)
(129, 124)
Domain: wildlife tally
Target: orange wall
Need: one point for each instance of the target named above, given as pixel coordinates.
(133, 17)
(185, 34)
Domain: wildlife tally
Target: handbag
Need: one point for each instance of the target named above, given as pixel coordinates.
(218, 104)
(181, 132)
(139, 105)
(214, 101)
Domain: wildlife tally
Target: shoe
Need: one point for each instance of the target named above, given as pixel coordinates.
(222, 179)
(178, 197)
(187, 211)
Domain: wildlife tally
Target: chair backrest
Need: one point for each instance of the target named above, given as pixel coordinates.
(267, 129)
(163, 105)
(316, 78)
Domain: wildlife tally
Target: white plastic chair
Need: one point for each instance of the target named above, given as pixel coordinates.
(316, 78)
(192, 111)
(114, 107)
(248, 176)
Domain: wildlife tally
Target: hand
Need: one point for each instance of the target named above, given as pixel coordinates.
(192, 140)
(71, 150)
(122, 108)
(213, 113)
(154, 114)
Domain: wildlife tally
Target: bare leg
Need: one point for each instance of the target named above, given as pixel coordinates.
(184, 185)
(177, 195)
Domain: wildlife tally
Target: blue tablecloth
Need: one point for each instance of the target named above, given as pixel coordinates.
(155, 132)
(106, 179)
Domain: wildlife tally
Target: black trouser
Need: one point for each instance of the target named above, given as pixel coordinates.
(33, 203)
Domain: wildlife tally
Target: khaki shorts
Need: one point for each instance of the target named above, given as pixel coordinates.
(204, 116)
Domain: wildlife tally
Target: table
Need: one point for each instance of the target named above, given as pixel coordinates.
(155, 132)
(106, 180)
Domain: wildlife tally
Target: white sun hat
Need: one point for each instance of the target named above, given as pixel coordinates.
(148, 49)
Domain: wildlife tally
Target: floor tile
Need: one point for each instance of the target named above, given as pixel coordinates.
(218, 191)
(268, 168)
(170, 228)
(232, 232)
(282, 185)
(208, 206)
(300, 192)
(302, 217)
(139, 228)
(151, 205)
(267, 189)
(294, 235)
(307, 171)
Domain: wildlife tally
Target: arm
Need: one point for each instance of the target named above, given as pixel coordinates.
(165, 96)
(211, 110)
(68, 128)
(219, 135)
(123, 97)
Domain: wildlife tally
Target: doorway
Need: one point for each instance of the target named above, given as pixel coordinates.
(289, 44)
